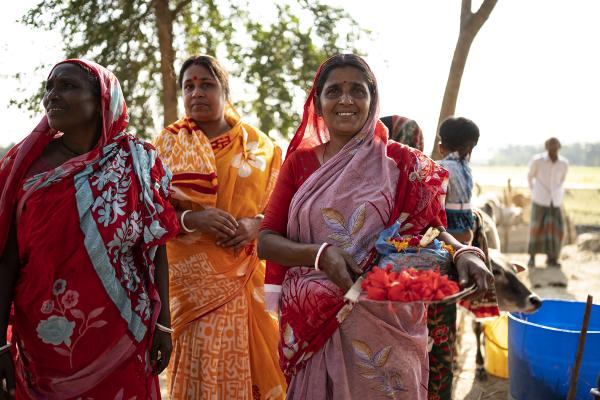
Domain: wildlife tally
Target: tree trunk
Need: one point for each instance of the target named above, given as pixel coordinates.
(470, 23)
(164, 23)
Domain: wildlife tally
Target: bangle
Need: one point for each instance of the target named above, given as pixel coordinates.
(5, 348)
(319, 253)
(164, 329)
(181, 218)
(260, 216)
(469, 249)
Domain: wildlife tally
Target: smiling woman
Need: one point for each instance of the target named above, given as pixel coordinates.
(224, 172)
(84, 216)
(344, 102)
(343, 182)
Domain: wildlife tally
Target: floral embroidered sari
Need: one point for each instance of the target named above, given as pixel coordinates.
(85, 302)
(328, 347)
(225, 344)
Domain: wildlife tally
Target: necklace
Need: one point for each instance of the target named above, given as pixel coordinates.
(62, 142)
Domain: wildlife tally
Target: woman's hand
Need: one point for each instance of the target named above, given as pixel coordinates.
(160, 352)
(212, 220)
(246, 232)
(7, 376)
(471, 269)
(339, 266)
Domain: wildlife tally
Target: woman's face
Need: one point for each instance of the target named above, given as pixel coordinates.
(70, 101)
(203, 97)
(344, 101)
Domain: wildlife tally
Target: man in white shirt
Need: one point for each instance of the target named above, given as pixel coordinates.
(547, 173)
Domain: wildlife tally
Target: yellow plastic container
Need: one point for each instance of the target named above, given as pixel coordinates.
(496, 346)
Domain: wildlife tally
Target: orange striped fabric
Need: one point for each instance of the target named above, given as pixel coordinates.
(188, 153)
(225, 343)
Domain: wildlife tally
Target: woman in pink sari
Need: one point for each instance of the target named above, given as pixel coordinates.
(341, 184)
(84, 217)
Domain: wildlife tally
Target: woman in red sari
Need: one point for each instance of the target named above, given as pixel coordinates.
(341, 184)
(84, 216)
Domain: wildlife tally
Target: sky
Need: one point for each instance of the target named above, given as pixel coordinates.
(532, 71)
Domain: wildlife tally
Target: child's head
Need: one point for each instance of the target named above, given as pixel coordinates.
(458, 134)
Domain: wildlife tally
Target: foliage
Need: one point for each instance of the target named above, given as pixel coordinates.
(273, 61)
(4, 150)
(113, 33)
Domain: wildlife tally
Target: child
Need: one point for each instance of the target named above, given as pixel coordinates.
(458, 137)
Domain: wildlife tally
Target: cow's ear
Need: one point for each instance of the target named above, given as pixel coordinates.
(519, 267)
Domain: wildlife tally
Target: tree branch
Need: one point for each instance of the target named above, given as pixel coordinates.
(483, 13)
(465, 12)
(486, 8)
(180, 6)
(466, 7)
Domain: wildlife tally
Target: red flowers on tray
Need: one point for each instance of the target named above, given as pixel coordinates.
(408, 285)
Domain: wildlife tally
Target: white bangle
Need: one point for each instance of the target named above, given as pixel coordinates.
(260, 216)
(319, 253)
(164, 329)
(181, 218)
(5, 348)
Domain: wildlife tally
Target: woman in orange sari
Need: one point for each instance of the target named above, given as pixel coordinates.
(225, 343)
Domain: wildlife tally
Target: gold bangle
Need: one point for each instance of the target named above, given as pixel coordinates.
(164, 329)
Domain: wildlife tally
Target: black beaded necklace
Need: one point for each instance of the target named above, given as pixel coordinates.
(62, 142)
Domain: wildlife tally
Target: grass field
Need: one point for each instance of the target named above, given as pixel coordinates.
(582, 195)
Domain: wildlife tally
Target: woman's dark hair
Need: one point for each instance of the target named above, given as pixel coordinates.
(459, 134)
(212, 65)
(346, 60)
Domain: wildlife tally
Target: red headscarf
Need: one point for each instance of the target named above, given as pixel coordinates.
(312, 131)
(15, 164)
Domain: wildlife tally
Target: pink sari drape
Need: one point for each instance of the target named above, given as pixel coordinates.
(365, 187)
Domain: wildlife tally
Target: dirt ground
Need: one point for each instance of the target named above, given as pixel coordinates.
(578, 277)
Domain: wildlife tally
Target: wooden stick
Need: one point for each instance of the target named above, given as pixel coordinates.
(580, 348)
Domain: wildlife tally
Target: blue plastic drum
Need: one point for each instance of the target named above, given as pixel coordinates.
(542, 348)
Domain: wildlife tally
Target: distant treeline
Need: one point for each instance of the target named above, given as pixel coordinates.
(586, 154)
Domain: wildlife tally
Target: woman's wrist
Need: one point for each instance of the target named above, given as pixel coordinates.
(185, 221)
(5, 348)
(165, 321)
(462, 250)
(320, 253)
(164, 328)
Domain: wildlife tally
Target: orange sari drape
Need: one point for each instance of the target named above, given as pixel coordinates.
(225, 343)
